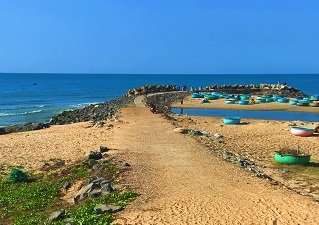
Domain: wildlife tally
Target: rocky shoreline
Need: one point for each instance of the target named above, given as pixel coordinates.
(161, 96)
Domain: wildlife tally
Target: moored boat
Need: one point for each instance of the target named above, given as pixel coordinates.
(292, 158)
(302, 131)
(231, 120)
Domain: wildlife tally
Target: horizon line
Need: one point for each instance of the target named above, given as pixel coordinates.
(160, 73)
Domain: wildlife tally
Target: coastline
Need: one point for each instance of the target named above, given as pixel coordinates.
(168, 166)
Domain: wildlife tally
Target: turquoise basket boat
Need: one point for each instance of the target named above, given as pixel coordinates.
(243, 102)
(231, 120)
(196, 95)
(230, 101)
(282, 100)
(292, 159)
(293, 102)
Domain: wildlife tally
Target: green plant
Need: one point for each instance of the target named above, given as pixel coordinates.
(17, 175)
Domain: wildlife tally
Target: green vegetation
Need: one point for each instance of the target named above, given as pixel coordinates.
(17, 175)
(31, 202)
(84, 213)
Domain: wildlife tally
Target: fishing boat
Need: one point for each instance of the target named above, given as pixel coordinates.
(231, 120)
(282, 100)
(243, 102)
(302, 131)
(288, 158)
(293, 101)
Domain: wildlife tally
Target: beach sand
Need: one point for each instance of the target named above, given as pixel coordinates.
(180, 180)
(220, 104)
(66, 142)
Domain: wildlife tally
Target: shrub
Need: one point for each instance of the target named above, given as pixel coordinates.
(17, 175)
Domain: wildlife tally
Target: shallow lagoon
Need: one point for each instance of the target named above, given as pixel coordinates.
(267, 115)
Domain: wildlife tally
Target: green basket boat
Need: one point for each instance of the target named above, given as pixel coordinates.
(292, 159)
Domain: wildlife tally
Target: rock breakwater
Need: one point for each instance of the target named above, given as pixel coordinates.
(95, 113)
(163, 101)
(266, 89)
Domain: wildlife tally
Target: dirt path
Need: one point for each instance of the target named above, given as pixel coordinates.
(181, 182)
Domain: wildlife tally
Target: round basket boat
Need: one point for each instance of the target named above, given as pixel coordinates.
(302, 103)
(230, 101)
(302, 131)
(244, 97)
(211, 97)
(293, 102)
(282, 100)
(269, 100)
(243, 102)
(231, 120)
(313, 104)
(196, 95)
(292, 159)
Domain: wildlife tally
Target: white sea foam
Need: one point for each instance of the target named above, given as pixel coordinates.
(19, 114)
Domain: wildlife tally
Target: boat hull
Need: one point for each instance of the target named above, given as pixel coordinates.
(302, 131)
(292, 159)
(231, 120)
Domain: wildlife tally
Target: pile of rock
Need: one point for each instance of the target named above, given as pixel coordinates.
(147, 89)
(257, 89)
(94, 188)
(94, 112)
(245, 164)
(23, 128)
(163, 101)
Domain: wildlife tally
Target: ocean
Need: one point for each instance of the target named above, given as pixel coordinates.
(37, 97)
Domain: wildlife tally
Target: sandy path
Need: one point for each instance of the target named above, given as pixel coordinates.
(181, 182)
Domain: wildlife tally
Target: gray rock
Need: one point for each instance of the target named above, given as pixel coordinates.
(103, 208)
(2, 131)
(91, 162)
(56, 216)
(87, 182)
(104, 149)
(95, 155)
(66, 185)
(115, 208)
(84, 191)
(106, 186)
(95, 193)
(99, 180)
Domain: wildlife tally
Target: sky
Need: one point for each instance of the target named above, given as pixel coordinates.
(159, 36)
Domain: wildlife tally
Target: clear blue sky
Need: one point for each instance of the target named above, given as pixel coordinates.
(159, 36)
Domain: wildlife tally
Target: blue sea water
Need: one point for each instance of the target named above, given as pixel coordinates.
(37, 97)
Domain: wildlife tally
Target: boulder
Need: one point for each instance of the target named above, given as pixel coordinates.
(94, 155)
(66, 185)
(104, 149)
(103, 208)
(84, 191)
(56, 216)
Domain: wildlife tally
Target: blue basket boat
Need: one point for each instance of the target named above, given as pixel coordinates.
(293, 101)
(230, 101)
(243, 102)
(282, 100)
(196, 95)
(231, 120)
